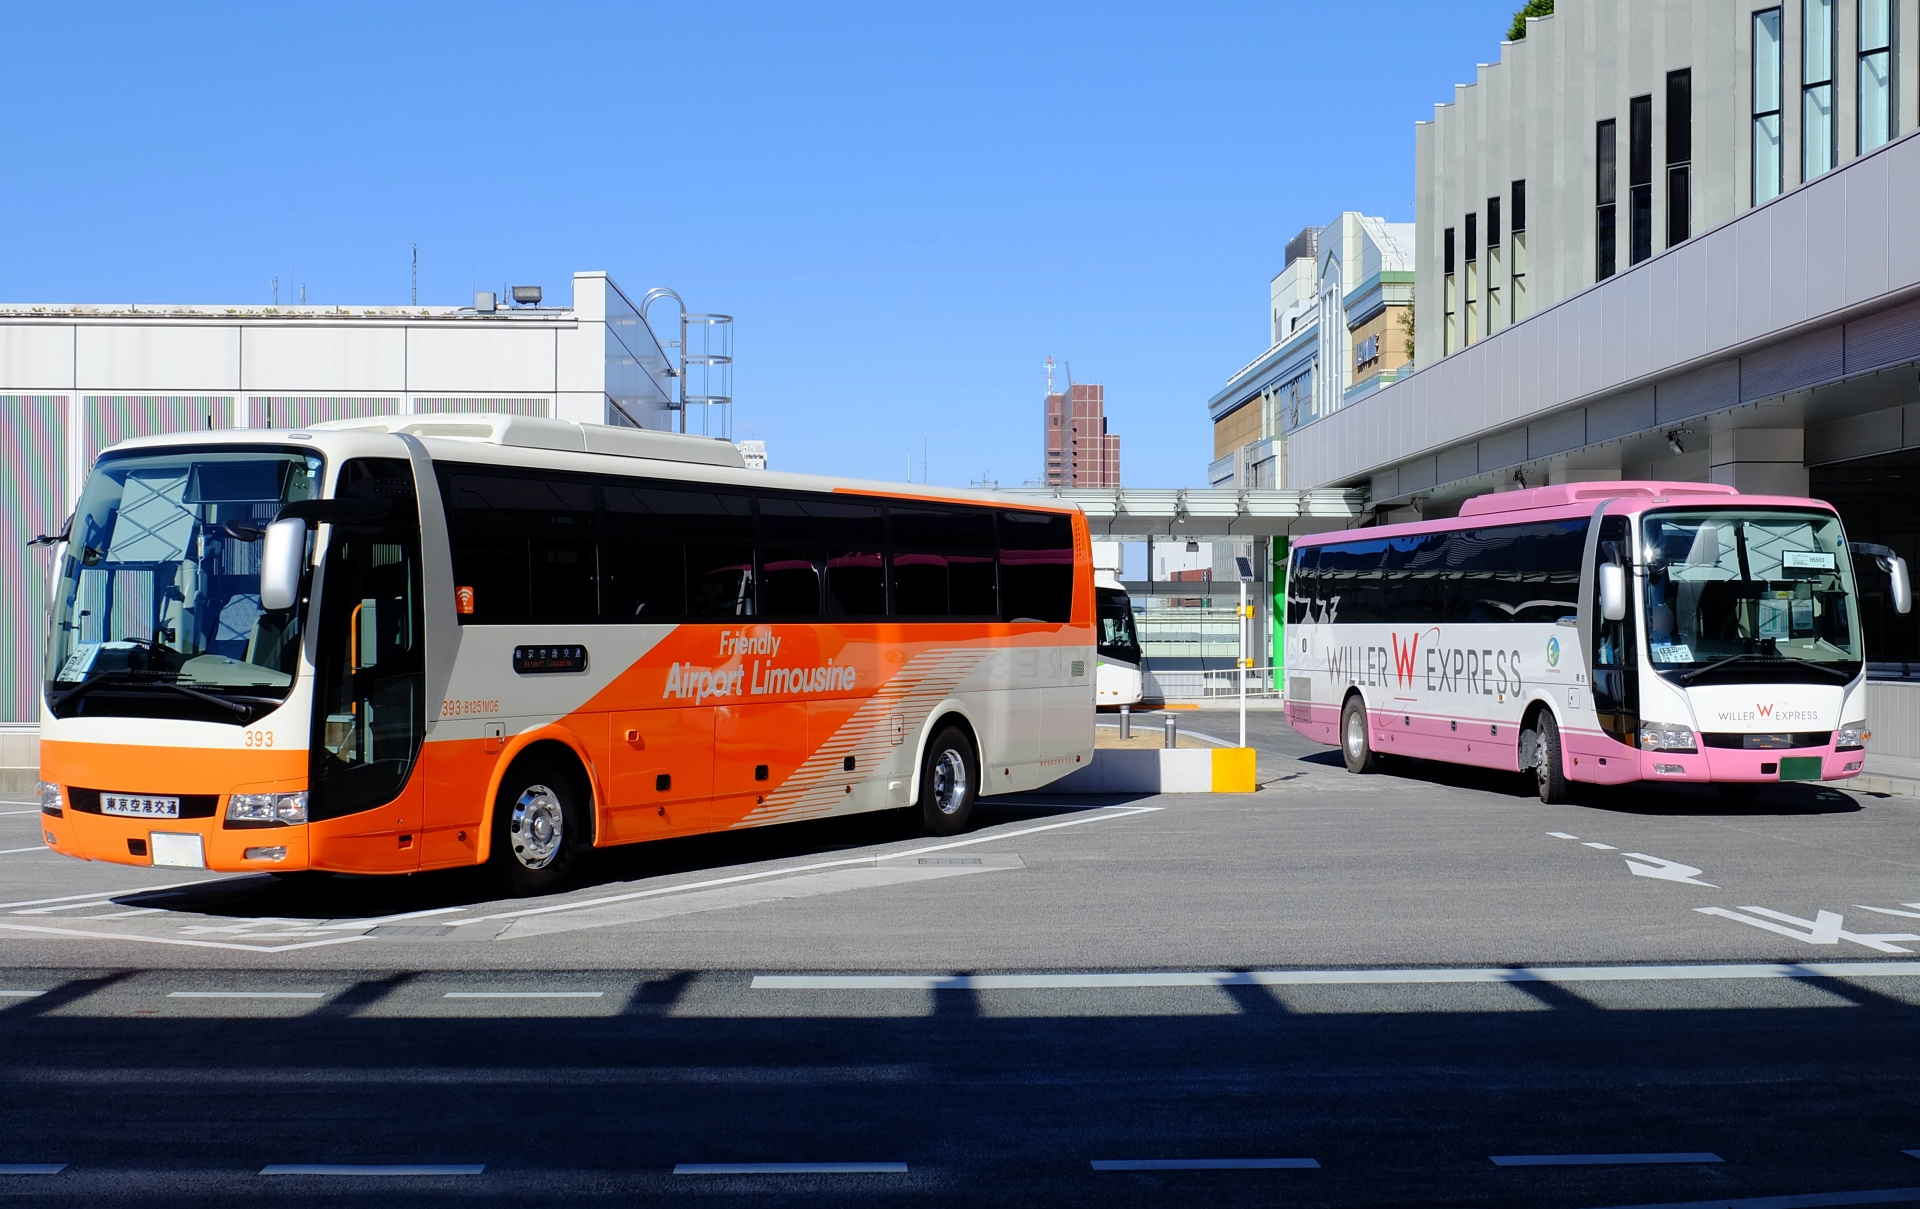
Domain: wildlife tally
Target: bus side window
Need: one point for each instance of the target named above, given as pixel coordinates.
(1416, 583)
(524, 543)
(1036, 566)
(669, 552)
(1351, 590)
(941, 562)
(1300, 585)
(821, 554)
(1616, 697)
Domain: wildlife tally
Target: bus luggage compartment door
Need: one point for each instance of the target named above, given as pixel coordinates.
(662, 773)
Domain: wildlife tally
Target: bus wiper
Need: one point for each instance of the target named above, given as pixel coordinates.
(1690, 677)
(126, 681)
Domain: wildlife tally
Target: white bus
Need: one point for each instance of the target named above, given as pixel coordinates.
(418, 642)
(1594, 632)
(1118, 643)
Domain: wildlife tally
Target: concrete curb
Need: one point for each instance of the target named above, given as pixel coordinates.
(1183, 770)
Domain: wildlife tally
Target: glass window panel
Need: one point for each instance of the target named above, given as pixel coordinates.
(1816, 117)
(1766, 158)
(1816, 47)
(1875, 24)
(1876, 96)
(1766, 61)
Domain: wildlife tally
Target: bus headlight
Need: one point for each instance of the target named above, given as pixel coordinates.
(1666, 736)
(268, 808)
(1853, 736)
(50, 800)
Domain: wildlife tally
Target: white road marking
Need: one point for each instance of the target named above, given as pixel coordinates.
(1671, 871)
(1561, 835)
(20, 994)
(1823, 929)
(1601, 847)
(246, 994)
(789, 1169)
(32, 1168)
(1107, 814)
(1601, 1160)
(136, 938)
(1891, 911)
(126, 914)
(7, 814)
(373, 1169)
(99, 894)
(11, 851)
(1223, 978)
(96, 902)
(1807, 1200)
(523, 994)
(1202, 1164)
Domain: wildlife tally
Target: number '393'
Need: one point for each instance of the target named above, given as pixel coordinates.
(259, 738)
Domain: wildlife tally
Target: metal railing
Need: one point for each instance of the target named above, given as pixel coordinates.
(1199, 685)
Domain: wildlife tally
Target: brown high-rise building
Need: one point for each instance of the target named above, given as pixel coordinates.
(1080, 450)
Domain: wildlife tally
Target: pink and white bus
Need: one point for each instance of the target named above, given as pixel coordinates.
(1596, 632)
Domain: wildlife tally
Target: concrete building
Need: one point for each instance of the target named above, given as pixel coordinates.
(1758, 323)
(75, 379)
(1337, 334)
(1080, 452)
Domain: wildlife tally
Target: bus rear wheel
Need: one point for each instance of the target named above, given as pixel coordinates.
(1356, 744)
(949, 783)
(537, 826)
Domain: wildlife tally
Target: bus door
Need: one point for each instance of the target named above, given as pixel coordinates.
(1615, 666)
(370, 699)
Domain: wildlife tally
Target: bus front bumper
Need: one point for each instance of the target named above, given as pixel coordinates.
(176, 843)
(1720, 764)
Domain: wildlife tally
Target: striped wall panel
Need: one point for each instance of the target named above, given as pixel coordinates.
(111, 419)
(33, 494)
(515, 407)
(298, 411)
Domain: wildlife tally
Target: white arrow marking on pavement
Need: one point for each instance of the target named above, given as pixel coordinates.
(1823, 929)
(1891, 911)
(1668, 871)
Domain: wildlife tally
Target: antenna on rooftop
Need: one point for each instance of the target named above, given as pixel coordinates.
(416, 274)
(1049, 375)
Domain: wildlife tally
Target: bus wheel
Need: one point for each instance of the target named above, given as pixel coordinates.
(536, 827)
(949, 783)
(1549, 773)
(1354, 741)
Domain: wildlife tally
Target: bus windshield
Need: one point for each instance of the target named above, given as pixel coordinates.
(157, 610)
(1116, 639)
(1763, 595)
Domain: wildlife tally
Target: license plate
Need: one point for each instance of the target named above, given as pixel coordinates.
(1800, 768)
(139, 806)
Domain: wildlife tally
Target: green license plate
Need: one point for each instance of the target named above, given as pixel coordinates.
(1800, 768)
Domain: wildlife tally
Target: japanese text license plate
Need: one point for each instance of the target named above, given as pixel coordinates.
(139, 806)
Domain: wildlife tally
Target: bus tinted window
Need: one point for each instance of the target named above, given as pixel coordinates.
(1415, 571)
(647, 532)
(1348, 585)
(524, 545)
(821, 554)
(1300, 582)
(1525, 573)
(1036, 566)
(943, 562)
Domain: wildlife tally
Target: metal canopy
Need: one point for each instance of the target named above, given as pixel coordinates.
(1218, 512)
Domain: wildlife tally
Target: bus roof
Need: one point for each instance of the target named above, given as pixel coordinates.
(1567, 500)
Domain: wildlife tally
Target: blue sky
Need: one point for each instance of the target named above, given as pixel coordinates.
(907, 207)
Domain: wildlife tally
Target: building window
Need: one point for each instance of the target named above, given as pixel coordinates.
(1875, 74)
(1679, 156)
(1493, 264)
(1472, 293)
(1603, 199)
(1816, 87)
(1447, 337)
(1766, 105)
(1639, 179)
(1517, 259)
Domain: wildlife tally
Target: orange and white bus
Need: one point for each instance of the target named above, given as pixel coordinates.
(420, 642)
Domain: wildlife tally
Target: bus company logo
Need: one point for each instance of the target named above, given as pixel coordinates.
(1769, 712)
(1553, 652)
(1440, 669)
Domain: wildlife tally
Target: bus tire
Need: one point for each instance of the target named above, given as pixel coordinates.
(1356, 743)
(538, 826)
(1549, 767)
(949, 782)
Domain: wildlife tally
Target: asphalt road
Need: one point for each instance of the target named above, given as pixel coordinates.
(1397, 980)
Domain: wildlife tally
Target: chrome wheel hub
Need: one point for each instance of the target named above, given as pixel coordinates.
(950, 781)
(536, 829)
(1356, 734)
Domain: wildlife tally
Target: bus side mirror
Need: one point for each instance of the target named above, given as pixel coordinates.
(1902, 586)
(1613, 591)
(281, 559)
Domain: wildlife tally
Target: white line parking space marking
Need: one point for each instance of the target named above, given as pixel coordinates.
(1671, 871)
(523, 994)
(1203, 1164)
(1823, 929)
(789, 1169)
(373, 1169)
(20, 994)
(1601, 1160)
(101, 895)
(1601, 847)
(11, 851)
(1226, 978)
(32, 1168)
(1561, 835)
(246, 994)
(10, 813)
